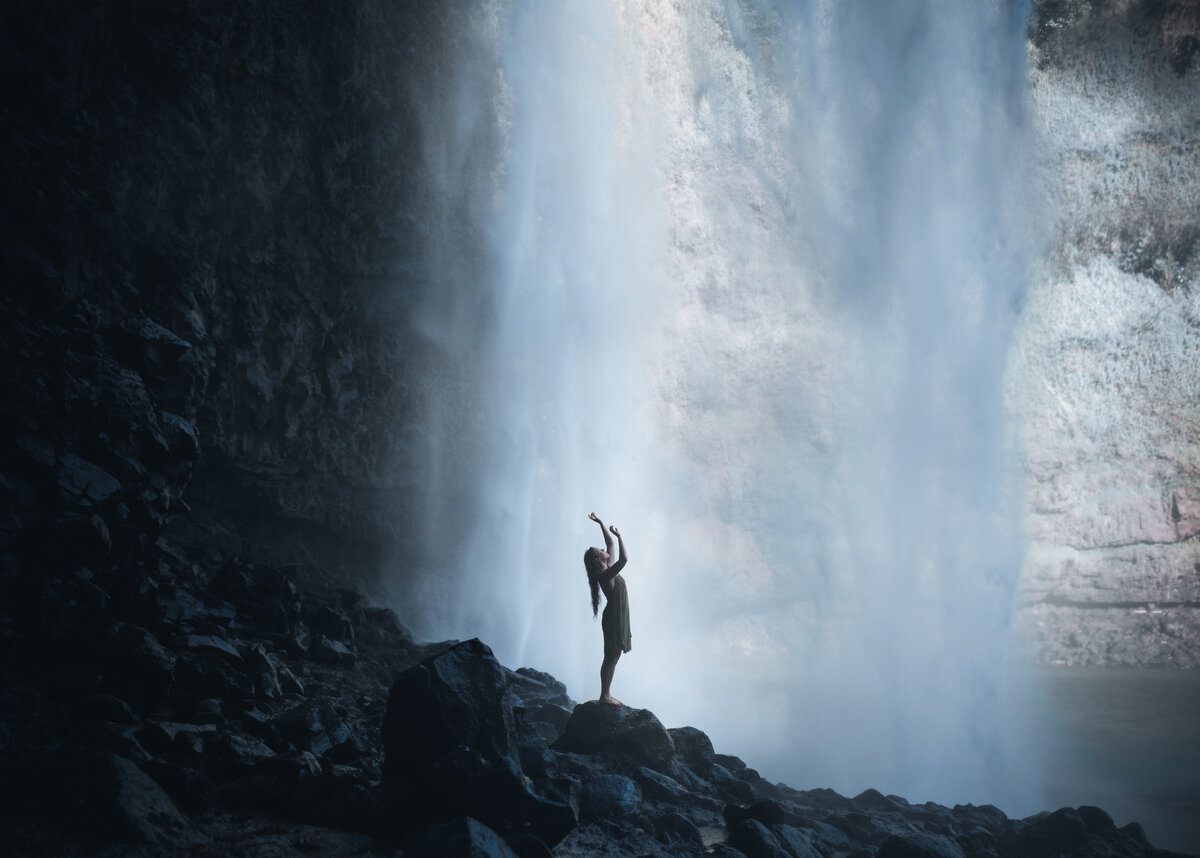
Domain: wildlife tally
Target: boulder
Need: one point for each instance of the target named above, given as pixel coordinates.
(462, 837)
(693, 747)
(455, 699)
(755, 840)
(331, 652)
(111, 797)
(451, 749)
(261, 669)
(1049, 834)
(136, 667)
(796, 842)
(767, 812)
(918, 845)
(313, 726)
(266, 598)
(333, 624)
(609, 797)
(677, 829)
(634, 734)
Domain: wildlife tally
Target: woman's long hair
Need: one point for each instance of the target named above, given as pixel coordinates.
(589, 560)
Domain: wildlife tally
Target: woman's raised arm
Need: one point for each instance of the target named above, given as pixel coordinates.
(619, 563)
(607, 539)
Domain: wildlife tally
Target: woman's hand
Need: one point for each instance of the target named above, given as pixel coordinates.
(614, 530)
(594, 517)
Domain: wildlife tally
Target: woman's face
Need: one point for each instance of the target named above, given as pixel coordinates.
(601, 558)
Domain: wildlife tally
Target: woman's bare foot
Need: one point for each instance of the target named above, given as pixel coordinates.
(611, 701)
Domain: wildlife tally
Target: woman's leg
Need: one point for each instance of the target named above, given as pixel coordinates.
(606, 677)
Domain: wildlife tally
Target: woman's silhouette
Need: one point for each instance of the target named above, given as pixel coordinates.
(604, 574)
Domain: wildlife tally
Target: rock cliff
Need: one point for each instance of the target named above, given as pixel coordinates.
(220, 303)
(1106, 368)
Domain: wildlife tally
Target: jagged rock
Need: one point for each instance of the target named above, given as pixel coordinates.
(111, 797)
(462, 837)
(635, 734)
(182, 606)
(331, 652)
(730, 786)
(1049, 833)
(233, 755)
(382, 628)
(532, 687)
(349, 806)
(83, 482)
(662, 788)
(873, 799)
(450, 744)
(136, 667)
(177, 742)
(609, 796)
(796, 842)
(190, 789)
(288, 683)
(314, 726)
(144, 344)
(266, 598)
(181, 436)
(103, 707)
(677, 829)
(536, 756)
(543, 700)
(693, 747)
(288, 784)
(767, 812)
(455, 699)
(1096, 820)
(334, 625)
(263, 673)
(1136, 833)
(212, 668)
(919, 845)
(755, 840)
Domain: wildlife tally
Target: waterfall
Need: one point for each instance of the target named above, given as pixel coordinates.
(749, 276)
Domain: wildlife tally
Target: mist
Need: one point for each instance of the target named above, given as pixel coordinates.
(742, 278)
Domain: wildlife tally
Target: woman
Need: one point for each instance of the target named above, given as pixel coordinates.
(604, 574)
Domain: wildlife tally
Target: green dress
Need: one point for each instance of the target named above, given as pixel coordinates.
(615, 620)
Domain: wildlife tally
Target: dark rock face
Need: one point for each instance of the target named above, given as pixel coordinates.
(212, 262)
(451, 747)
(216, 235)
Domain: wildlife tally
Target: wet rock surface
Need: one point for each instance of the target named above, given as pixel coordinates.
(206, 383)
(138, 725)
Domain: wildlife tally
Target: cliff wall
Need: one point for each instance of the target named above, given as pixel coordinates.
(1105, 376)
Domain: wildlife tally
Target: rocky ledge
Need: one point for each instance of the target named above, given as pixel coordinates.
(182, 712)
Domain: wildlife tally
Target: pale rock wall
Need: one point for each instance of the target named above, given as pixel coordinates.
(1105, 375)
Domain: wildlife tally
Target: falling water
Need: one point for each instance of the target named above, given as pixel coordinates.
(749, 274)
